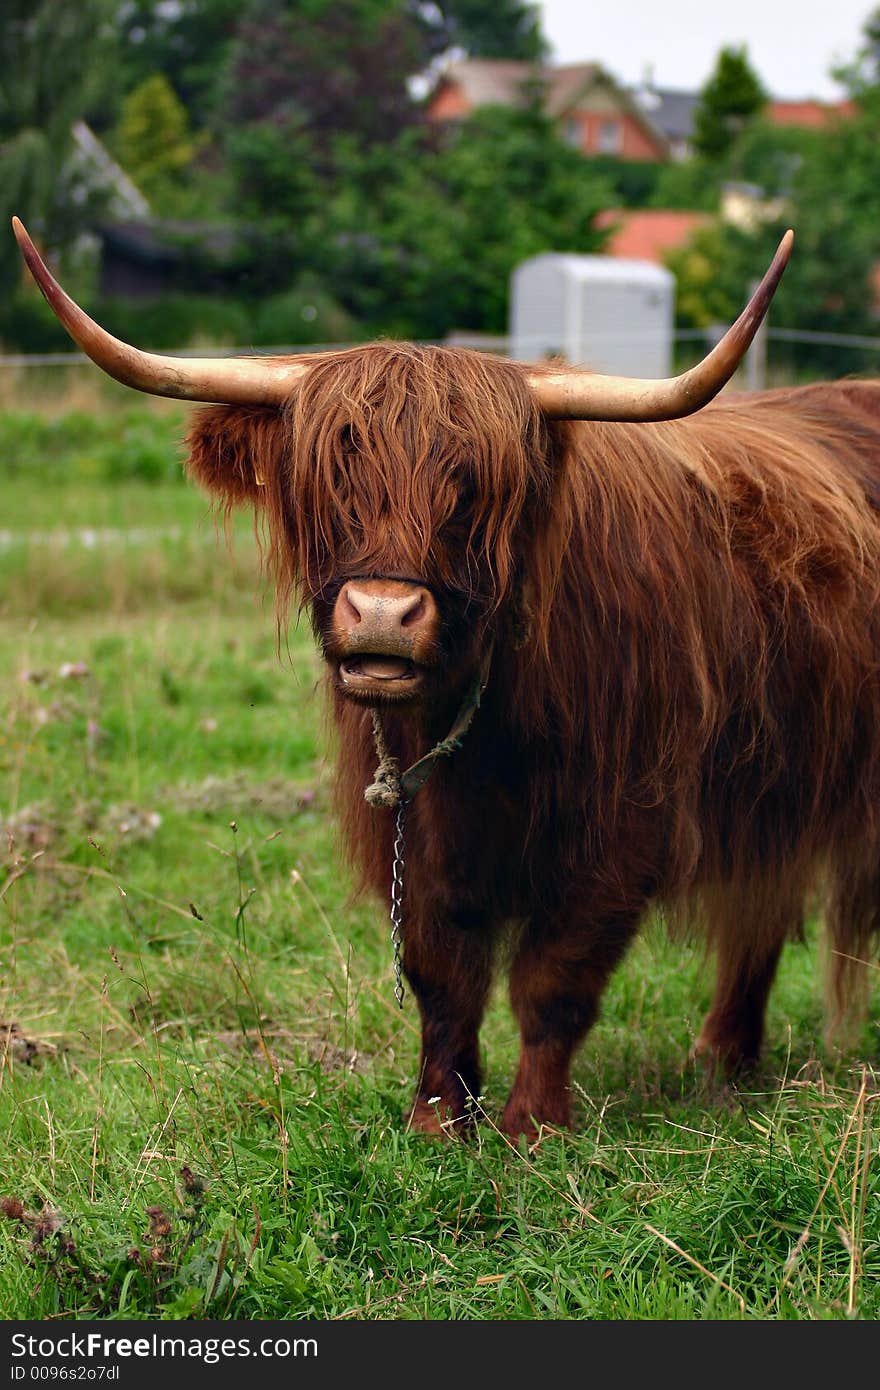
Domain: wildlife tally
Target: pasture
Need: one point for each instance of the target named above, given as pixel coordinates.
(203, 1072)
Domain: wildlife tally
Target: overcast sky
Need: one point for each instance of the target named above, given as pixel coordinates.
(791, 44)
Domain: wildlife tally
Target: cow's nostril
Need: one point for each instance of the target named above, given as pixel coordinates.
(351, 611)
(414, 613)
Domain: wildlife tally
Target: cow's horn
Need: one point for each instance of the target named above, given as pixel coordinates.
(573, 394)
(227, 380)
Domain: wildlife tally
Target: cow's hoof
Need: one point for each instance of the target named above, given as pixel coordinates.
(725, 1057)
(438, 1119)
(520, 1120)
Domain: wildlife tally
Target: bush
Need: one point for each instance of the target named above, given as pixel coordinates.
(129, 444)
(27, 324)
(304, 315)
(633, 180)
(141, 448)
(176, 320)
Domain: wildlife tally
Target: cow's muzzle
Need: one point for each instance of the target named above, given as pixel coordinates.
(384, 635)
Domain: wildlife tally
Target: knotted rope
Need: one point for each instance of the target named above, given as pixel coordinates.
(384, 790)
(390, 787)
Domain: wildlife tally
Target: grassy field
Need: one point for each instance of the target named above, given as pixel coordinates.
(203, 1072)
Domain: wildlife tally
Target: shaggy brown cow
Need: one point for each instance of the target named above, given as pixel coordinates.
(672, 630)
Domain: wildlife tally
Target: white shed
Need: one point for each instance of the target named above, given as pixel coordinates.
(611, 315)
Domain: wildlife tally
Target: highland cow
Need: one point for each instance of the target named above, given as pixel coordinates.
(640, 651)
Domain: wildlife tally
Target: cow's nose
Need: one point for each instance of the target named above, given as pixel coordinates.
(366, 611)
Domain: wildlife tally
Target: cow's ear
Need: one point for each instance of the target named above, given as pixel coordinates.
(233, 451)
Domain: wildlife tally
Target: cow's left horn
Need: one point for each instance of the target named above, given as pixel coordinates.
(225, 380)
(573, 394)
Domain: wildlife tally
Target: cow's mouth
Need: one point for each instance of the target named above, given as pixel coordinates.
(370, 673)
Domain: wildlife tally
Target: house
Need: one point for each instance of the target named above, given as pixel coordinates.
(138, 255)
(809, 114)
(594, 112)
(95, 172)
(746, 205)
(672, 111)
(647, 234)
(145, 257)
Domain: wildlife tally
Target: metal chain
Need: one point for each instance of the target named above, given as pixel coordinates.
(392, 788)
(397, 869)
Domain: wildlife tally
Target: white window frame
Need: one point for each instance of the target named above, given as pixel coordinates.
(609, 139)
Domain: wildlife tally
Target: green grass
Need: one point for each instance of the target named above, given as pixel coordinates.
(204, 1075)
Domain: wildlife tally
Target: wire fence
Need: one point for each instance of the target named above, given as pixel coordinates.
(495, 343)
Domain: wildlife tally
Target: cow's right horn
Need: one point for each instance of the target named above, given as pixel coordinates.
(570, 393)
(225, 380)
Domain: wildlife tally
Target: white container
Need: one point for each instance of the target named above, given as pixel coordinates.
(610, 315)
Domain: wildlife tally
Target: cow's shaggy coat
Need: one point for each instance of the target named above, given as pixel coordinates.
(683, 707)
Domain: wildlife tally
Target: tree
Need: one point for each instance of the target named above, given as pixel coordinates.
(153, 140)
(324, 67)
(421, 237)
(415, 231)
(187, 42)
(52, 71)
(504, 29)
(304, 81)
(861, 77)
(730, 99)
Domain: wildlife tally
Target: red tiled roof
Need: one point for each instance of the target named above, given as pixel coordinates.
(644, 234)
(812, 114)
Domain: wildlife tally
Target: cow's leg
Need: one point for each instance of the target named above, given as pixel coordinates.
(449, 968)
(852, 919)
(556, 983)
(733, 1029)
(749, 929)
